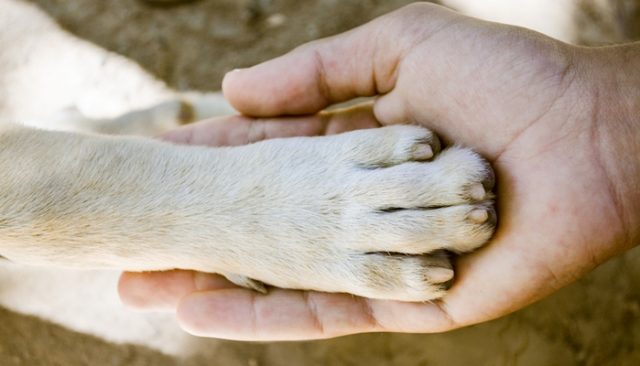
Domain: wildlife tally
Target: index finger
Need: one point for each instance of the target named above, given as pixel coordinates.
(241, 130)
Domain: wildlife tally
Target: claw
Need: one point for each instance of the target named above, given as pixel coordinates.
(244, 281)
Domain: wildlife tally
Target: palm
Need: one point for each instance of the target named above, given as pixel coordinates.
(549, 225)
(518, 113)
(548, 231)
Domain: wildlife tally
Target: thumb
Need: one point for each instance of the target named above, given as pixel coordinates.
(362, 62)
(306, 80)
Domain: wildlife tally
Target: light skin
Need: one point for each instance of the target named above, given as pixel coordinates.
(559, 124)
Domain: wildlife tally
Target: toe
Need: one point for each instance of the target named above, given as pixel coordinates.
(460, 228)
(404, 277)
(456, 176)
(388, 146)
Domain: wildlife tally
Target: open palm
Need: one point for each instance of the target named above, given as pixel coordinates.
(524, 101)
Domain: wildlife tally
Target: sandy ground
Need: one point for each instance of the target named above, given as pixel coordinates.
(192, 46)
(593, 322)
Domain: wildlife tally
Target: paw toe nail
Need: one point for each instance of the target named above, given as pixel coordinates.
(440, 274)
(422, 152)
(479, 216)
(490, 181)
(477, 192)
(493, 216)
(435, 143)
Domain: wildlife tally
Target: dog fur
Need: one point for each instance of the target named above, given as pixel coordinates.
(367, 212)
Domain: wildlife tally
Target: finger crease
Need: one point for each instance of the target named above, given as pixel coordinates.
(254, 316)
(313, 309)
(190, 136)
(256, 132)
(321, 77)
(370, 316)
(442, 306)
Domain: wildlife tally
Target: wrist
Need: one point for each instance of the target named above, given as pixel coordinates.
(612, 84)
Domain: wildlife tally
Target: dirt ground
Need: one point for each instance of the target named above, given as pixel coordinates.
(595, 321)
(192, 46)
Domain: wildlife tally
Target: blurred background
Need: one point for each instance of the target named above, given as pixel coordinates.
(192, 44)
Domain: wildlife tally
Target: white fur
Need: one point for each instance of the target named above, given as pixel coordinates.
(295, 213)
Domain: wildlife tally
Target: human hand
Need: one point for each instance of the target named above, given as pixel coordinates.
(556, 122)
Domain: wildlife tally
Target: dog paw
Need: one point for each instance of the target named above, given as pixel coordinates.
(409, 204)
(375, 213)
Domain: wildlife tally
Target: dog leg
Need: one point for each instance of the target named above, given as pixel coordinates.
(186, 108)
(53, 80)
(367, 212)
